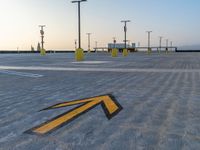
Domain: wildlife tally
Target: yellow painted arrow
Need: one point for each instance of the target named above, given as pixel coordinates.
(109, 104)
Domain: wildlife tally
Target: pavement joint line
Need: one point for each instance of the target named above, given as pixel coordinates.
(23, 74)
(128, 70)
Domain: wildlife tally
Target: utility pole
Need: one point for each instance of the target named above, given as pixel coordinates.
(167, 45)
(75, 42)
(79, 21)
(88, 41)
(125, 30)
(160, 37)
(42, 34)
(149, 38)
(114, 41)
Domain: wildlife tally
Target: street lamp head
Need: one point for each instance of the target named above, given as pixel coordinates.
(42, 25)
(125, 21)
(78, 1)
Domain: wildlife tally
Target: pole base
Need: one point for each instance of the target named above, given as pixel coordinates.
(125, 52)
(114, 52)
(149, 50)
(42, 52)
(79, 54)
(166, 51)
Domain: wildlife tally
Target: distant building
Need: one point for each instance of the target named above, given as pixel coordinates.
(121, 46)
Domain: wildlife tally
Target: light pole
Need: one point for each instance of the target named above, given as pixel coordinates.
(167, 41)
(125, 30)
(75, 42)
(42, 34)
(79, 21)
(88, 41)
(114, 41)
(160, 43)
(149, 38)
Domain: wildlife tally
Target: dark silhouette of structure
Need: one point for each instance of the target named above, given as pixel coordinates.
(42, 35)
(125, 30)
(79, 21)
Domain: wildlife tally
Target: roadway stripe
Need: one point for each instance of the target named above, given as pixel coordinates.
(23, 74)
(157, 70)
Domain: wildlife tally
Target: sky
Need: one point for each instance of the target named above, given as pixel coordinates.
(176, 20)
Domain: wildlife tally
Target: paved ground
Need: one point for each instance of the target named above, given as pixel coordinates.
(159, 93)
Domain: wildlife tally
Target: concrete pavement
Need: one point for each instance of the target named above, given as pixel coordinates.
(159, 93)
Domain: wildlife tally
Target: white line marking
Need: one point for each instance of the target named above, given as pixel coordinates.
(100, 69)
(21, 74)
(91, 62)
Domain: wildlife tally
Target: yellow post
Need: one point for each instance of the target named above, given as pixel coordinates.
(149, 50)
(79, 54)
(125, 52)
(42, 52)
(114, 52)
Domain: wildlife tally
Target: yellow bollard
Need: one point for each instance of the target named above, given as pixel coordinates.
(149, 50)
(79, 54)
(114, 52)
(42, 52)
(125, 52)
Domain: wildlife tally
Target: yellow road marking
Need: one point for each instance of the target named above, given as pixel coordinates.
(110, 106)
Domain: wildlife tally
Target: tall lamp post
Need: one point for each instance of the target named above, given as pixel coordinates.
(167, 41)
(114, 41)
(42, 50)
(88, 41)
(160, 41)
(75, 42)
(125, 51)
(79, 52)
(42, 35)
(149, 38)
(125, 30)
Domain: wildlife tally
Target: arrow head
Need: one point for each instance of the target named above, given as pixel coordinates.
(111, 106)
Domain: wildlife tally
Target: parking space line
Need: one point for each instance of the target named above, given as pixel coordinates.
(24, 74)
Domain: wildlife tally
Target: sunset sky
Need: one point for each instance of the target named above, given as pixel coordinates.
(176, 20)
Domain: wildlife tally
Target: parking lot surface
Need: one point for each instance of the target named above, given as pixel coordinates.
(158, 96)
